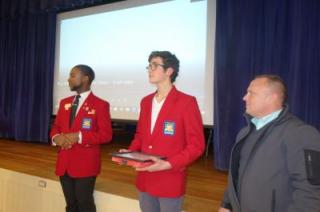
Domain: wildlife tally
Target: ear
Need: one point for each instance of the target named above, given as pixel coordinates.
(85, 78)
(169, 71)
(273, 97)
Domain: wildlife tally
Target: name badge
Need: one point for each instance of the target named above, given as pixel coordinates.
(169, 128)
(86, 123)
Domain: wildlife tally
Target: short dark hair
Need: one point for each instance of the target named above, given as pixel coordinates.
(169, 61)
(276, 82)
(87, 71)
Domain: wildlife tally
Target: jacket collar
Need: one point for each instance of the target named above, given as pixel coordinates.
(167, 108)
(284, 112)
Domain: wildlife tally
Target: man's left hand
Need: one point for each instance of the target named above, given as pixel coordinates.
(72, 137)
(159, 165)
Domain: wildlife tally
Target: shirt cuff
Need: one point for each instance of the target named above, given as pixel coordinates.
(52, 141)
(80, 138)
(226, 205)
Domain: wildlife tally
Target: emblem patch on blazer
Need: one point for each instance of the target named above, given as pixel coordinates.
(92, 111)
(86, 123)
(169, 128)
(67, 106)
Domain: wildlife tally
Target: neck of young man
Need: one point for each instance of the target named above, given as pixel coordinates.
(82, 90)
(163, 89)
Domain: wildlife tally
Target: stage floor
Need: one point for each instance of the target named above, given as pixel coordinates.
(205, 185)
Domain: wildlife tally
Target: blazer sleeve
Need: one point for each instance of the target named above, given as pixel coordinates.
(305, 196)
(136, 142)
(103, 132)
(225, 203)
(56, 127)
(194, 136)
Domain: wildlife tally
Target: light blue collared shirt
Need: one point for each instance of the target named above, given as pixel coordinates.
(261, 122)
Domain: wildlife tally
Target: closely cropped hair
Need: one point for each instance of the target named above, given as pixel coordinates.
(87, 71)
(278, 83)
(169, 61)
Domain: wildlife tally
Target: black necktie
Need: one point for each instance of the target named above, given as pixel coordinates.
(74, 109)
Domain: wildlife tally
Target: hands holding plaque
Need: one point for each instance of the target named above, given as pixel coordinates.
(158, 165)
(141, 161)
(65, 141)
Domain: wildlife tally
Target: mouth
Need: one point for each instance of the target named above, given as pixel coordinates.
(71, 86)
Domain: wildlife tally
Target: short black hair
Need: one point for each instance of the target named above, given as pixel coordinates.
(87, 71)
(169, 61)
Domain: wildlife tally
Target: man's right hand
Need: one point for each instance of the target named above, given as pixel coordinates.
(62, 141)
(123, 162)
(59, 140)
(223, 210)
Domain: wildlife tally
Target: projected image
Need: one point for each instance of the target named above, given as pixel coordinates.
(116, 44)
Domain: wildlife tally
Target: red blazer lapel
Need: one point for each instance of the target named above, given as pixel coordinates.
(165, 111)
(148, 110)
(82, 111)
(67, 108)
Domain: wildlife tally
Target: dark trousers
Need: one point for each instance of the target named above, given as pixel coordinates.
(78, 193)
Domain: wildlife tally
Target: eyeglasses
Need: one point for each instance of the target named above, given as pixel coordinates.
(154, 66)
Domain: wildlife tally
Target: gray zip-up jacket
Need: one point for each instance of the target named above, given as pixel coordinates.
(275, 176)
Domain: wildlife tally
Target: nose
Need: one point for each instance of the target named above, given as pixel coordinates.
(244, 98)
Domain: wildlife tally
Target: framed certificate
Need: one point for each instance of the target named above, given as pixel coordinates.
(134, 159)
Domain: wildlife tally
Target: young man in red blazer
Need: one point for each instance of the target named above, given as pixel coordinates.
(169, 125)
(81, 125)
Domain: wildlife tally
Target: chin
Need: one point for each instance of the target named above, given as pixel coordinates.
(152, 81)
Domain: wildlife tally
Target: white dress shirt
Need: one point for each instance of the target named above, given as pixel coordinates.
(156, 107)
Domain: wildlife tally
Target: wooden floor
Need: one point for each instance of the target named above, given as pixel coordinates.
(204, 188)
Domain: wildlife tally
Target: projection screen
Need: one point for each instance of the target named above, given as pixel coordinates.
(116, 40)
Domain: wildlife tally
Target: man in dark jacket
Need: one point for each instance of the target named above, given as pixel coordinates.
(273, 165)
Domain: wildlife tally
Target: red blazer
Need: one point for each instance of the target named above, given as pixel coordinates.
(93, 120)
(177, 135)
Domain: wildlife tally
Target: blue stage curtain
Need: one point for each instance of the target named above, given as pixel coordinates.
(26, 67)
(264, 36)
(27, 44)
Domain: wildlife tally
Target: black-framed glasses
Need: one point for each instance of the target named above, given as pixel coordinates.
(154, 66)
